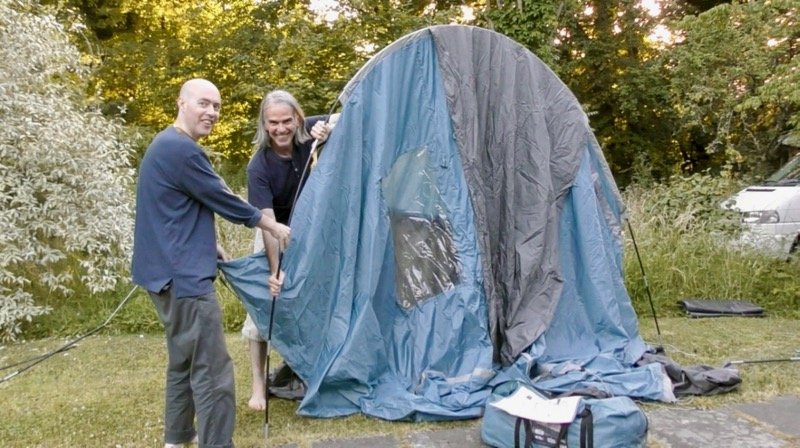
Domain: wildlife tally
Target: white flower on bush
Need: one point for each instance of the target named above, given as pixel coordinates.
(65, 175)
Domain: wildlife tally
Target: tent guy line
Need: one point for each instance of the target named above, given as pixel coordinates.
(31, 362)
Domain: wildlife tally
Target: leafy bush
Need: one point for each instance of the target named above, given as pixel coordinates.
(65, 177)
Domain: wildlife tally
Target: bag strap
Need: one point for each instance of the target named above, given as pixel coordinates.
(587, 427)
(562, 435)
(527, 426)
(530, 436)
(528, 433)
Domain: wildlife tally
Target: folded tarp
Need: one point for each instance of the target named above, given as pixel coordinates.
(719, 308)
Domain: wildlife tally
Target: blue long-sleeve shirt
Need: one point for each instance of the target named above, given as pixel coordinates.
(177, 194)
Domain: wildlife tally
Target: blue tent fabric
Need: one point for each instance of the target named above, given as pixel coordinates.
(345, 333)
(461, 227)
(520, 132)
(247, 277)
(593, 339)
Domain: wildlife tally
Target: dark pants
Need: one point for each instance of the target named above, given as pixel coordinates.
(200, 372)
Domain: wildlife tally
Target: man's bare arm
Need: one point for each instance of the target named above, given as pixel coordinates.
(277, 230)
(271, 245)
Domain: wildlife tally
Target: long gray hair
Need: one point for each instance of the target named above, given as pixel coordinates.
(301, 135)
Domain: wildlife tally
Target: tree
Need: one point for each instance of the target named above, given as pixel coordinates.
(733, 84)
(602, 51)
(533, 25)
(65, 176)
(148, 48)
(724, 96)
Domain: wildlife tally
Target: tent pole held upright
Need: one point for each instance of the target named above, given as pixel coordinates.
(660, 347)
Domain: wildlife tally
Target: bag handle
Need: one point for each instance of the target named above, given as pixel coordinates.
(527, 426)
(518, 423)
(587, 427)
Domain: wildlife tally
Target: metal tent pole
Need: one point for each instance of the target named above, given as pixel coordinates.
(660, 347)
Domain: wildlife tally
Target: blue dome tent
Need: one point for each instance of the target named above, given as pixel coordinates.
(461, 227)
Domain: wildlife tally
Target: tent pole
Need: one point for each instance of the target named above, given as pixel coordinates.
(269, 349)
(756, 361)
(314, 146)
(660, 347)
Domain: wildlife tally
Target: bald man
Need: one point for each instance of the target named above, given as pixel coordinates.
(174, 259)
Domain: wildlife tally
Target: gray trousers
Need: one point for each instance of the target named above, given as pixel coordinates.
(199, 373)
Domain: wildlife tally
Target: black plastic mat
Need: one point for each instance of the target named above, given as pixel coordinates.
(719, 308)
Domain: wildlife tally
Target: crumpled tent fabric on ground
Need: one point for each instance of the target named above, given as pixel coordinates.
(460, 219)
(697, 379)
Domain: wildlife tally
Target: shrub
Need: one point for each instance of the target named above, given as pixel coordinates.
(65, 176)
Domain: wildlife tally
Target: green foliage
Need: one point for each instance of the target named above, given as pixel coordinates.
(681, 232)
(607, 61)
(534, 26)
(602, 51)
(65, 178)
(684, 240)
(296, 54)
(689, 203)
(146, 49)
(86, 311)
(161, 45)
(721, 100)
(733, 85)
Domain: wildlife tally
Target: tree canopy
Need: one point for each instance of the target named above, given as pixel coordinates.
(670, 87)
(733, 85)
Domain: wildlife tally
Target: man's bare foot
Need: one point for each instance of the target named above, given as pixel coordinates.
(257, 402)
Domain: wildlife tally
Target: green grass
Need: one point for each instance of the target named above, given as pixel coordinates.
(108, 391)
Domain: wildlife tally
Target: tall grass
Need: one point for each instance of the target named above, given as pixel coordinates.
(684, 240)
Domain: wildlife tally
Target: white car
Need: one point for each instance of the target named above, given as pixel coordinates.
(770, 211)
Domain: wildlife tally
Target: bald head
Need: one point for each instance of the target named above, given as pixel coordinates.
(198, 108)
(192, 86)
